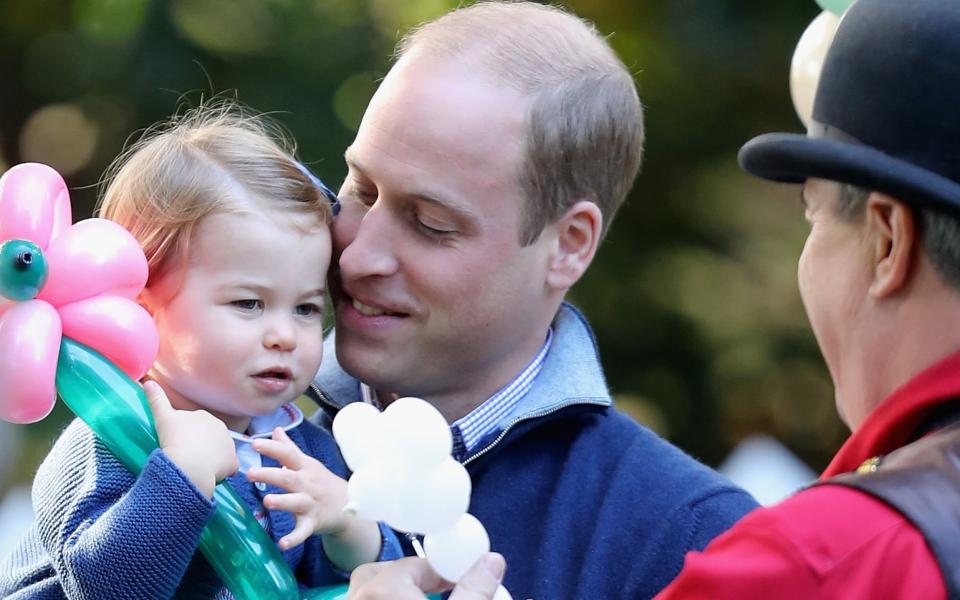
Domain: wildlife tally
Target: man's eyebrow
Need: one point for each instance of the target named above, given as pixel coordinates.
(457, 207)
(429, 197)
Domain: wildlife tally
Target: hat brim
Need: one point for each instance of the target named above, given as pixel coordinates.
(792, 158)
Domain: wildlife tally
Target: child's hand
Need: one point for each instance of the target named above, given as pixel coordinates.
(194, 440)
(316, 497)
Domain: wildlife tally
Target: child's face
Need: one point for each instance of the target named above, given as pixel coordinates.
(241, 329)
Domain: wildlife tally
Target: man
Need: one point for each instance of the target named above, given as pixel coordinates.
(880, 280)
(484, 174)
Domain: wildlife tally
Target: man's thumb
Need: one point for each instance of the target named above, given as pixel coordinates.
(481, 581)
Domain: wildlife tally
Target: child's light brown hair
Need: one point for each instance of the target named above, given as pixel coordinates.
(211, 159)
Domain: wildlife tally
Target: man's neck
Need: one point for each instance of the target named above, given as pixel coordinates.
(452, 407)
(902, 344)
(508, 386)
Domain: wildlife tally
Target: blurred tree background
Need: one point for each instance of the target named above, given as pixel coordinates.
(693, 296)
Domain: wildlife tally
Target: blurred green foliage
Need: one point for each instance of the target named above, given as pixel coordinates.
(693, 295)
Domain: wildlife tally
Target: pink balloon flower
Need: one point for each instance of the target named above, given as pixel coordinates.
(56, 279)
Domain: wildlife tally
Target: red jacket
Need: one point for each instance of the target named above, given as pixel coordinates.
(831, 541)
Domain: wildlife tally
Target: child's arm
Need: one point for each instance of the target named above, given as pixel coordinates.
(316, 498)
(110, 534)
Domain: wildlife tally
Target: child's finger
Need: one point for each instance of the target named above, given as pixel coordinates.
(284, 452)
(296, 503)
(157, 400)
(280, 435)
(281, 478)
(300, 533)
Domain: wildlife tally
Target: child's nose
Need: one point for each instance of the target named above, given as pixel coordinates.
(280, 335)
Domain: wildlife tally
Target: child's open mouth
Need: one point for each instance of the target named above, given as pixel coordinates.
(273, 380)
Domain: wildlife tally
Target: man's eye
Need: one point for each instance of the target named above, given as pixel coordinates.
(248, 304)
(433, 231)
(365, 197)
(308, 309)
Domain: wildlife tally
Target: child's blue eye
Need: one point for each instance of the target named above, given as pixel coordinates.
(247, 304)
(306, 310)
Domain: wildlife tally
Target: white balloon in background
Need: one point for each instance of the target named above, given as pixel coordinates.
(359, 431)
(416, 434)
(432, 500)
(453, 551)
(807, 63)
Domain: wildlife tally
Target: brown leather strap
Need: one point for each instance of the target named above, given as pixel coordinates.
(922, 482)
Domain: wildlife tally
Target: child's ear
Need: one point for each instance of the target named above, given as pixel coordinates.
(149, 300)
(160, 289)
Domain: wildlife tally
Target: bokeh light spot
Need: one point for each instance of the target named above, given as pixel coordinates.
(351, 98)
(61, 136)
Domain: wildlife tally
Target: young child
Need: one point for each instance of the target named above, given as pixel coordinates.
(236, 237)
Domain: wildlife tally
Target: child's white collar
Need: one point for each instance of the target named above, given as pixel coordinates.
(286, 417)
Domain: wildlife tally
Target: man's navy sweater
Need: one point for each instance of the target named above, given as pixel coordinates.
(581, 500)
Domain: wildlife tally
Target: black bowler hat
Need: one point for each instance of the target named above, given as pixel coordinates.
(887, 108)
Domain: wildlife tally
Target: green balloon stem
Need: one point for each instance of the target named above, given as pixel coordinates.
(236, 546)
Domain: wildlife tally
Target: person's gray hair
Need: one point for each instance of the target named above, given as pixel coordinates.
(939, 230)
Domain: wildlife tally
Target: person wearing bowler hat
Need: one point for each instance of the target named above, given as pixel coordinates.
(880, 280)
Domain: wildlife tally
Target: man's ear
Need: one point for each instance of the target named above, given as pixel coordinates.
(577, 236)
(892, 228)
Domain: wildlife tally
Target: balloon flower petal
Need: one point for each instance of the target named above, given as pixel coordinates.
(118, 328)
(35, 204)
(92, 258)
(84, 278)
(30, 335)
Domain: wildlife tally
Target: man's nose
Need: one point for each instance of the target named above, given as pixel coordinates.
(369, 249)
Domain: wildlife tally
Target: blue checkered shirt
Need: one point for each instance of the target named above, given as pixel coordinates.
(469, 430)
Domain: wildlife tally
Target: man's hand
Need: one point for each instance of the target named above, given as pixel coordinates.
(411, 578)
(194, 440)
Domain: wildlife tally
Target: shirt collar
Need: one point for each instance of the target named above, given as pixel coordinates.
(896, 420)
(286, 417)
(469, 430)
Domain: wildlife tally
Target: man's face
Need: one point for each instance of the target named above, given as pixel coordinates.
(434, 295)
(834, 278)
